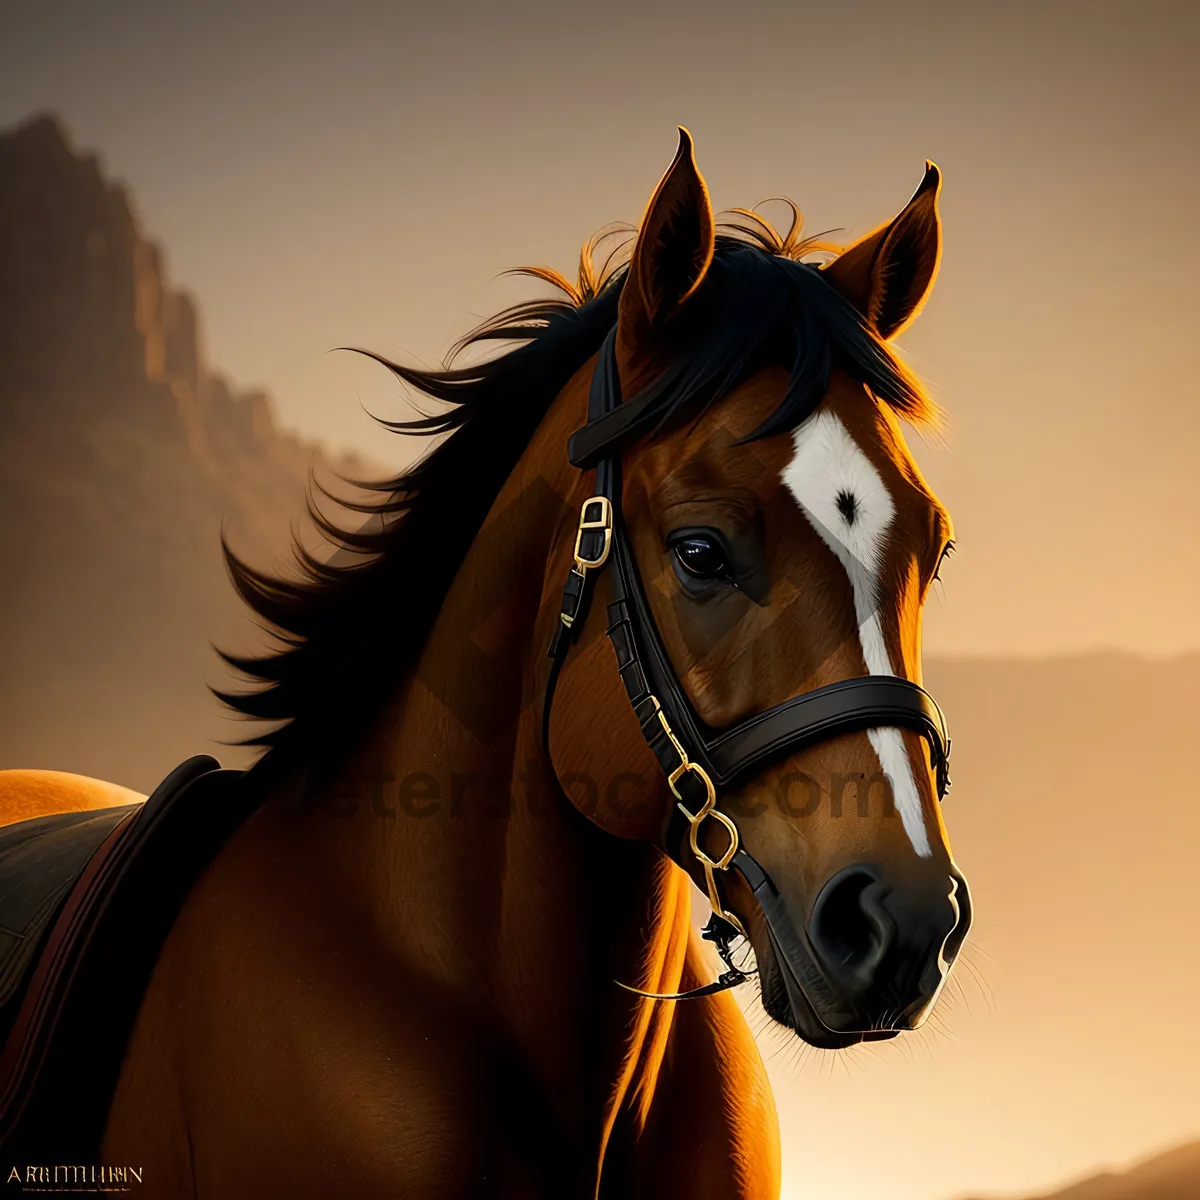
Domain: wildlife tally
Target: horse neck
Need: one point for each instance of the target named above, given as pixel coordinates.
(482, 873)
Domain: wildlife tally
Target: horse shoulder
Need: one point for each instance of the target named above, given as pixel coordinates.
(712, 1130)
(25, 794)
(273, 1055)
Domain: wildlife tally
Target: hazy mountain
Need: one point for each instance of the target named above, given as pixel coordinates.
(121, 454)
(1174, 1175)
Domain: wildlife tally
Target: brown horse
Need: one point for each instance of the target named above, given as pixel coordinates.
(397, 978)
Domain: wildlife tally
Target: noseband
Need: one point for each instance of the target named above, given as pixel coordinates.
(699, 761)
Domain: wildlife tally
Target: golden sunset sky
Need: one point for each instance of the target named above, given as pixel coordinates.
(360, 174)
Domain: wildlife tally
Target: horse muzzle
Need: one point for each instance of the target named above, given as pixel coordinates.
(871, 958)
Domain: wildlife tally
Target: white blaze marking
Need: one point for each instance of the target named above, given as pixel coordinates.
(826, 464)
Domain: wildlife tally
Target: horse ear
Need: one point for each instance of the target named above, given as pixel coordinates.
(889, 274)
(675, 242)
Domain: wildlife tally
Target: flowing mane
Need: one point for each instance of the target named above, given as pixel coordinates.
(348, 627)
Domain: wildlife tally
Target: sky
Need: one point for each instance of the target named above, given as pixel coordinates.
(361, 174)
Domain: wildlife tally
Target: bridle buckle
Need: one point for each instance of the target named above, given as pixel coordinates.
(596, 514)
(731, 831)
(695, 769)
(708, 809)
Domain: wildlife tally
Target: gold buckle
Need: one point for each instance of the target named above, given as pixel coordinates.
(696, 769)
(708, 809)
(731, 831)
(602, 518)
(710, 865)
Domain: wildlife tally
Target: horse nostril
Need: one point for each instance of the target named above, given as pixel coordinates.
(850, 929)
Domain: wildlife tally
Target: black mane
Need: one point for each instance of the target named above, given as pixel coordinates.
(350, 627)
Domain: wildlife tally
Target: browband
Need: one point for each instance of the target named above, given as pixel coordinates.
(605, 433)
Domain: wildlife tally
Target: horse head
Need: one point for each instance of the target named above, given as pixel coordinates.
(778, 540)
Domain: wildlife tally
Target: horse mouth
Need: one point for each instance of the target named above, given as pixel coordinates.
(836, 983)
(785, 1001)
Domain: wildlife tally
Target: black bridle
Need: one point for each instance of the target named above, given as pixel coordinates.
(697, 760)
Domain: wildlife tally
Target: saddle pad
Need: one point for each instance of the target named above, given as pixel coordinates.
(74, 1004)
(39, 860)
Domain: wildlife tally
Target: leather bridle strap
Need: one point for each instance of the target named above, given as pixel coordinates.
(696, 759)
(594, 535)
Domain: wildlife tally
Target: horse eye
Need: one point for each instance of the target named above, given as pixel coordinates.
(700, 556)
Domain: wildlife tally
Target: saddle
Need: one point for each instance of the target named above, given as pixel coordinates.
(86, 902)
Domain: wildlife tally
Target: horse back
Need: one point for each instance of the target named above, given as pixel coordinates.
(25, 794)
